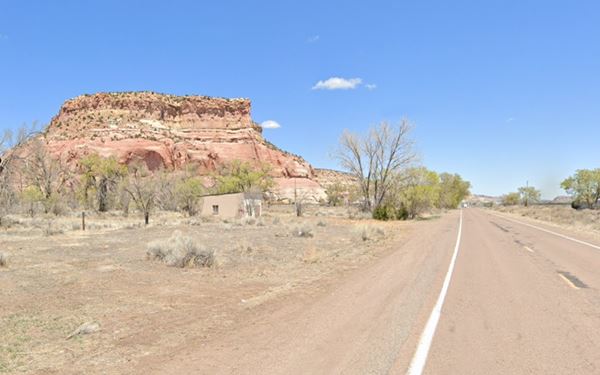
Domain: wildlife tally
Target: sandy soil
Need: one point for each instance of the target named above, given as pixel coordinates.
(59, 277)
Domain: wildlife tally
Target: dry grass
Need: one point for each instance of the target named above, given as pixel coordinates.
(303, 231)
(101, 275)
(3, 260)
(180, 251)
(561, 215)
(371, 233)
(311, 255)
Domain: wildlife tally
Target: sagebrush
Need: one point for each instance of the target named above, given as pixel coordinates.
(180, 251)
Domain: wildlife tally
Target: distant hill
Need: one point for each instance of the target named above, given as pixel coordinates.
(480, 199)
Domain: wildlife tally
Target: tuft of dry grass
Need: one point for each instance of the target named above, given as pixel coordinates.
(180, 251)
(303, 231)
(248, 221)
(311, 255)
(85, 329)
(369, 233)
(3, 260)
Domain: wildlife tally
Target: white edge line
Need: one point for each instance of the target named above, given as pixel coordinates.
(548, 231)
(417, 365)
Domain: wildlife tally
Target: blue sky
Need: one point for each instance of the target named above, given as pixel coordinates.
(500, 92)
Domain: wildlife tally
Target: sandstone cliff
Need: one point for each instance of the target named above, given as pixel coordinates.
(327, 177)
(167, 131)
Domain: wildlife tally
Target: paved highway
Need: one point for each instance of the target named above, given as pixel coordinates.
(471, 293)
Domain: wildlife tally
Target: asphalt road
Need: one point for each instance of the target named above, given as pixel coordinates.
(522, 301)
(511, 299)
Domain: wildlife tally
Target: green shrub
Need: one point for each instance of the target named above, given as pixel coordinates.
(402, 213)
(384, 213)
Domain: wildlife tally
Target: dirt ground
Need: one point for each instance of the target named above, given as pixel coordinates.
(58, 277)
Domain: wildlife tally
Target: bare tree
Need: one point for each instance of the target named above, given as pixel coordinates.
(9, 166)
(376, 158)
(45, 172)
(142, 189)
(7, 196)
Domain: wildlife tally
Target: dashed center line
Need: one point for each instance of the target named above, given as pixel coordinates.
(547, 231)
(572, 280)
(569, 282)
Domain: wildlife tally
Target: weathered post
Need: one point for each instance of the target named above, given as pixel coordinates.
(83, 220)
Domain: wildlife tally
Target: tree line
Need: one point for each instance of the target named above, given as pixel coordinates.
(389, 184)
(33, 181)
(583, 187)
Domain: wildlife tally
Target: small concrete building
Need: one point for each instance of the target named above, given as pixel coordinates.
(236, 205)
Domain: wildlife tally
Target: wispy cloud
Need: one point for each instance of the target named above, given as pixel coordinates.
(3, 36)
(371, 86)
(337, 83)
(313, 39)
(510, 119)
(270, 124)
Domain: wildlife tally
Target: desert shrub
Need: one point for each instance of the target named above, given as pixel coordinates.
(3, 260)
(380, 213)
(276, 221)
(402, 213)
(321, 224)
(195, 221)
(364, 235)
(9, 222)
(180, 251)
(388, 211)
(577, 205)
(52, 230)
(249, 221)
(303, 231)
(371, 234)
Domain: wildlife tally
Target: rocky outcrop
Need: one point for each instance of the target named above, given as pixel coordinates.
(167, 131)
(327, 177)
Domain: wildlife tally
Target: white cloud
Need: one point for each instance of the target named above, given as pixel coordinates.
(313, 39)
(270, 124)
(337, 83)
(371, 86)
(510, 119)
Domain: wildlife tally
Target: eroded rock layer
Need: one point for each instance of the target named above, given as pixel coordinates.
(167, 131)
